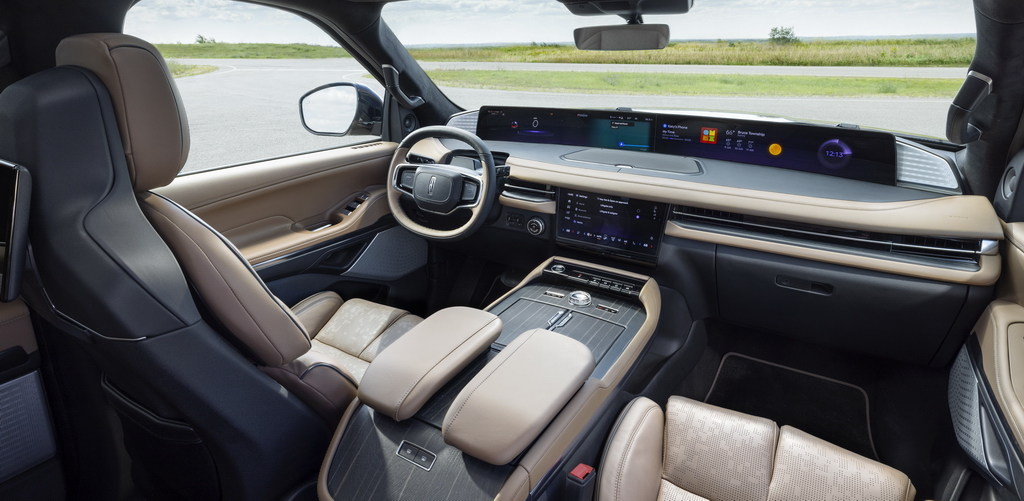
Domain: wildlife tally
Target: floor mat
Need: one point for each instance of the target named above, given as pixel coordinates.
(826, 408)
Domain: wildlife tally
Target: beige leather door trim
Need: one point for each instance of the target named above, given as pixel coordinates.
(265, 208)
(278, 236)
(1004, 368)
(988, 273)
(16, 327)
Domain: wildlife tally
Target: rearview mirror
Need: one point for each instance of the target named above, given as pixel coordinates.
(341, 109)
(622, 37)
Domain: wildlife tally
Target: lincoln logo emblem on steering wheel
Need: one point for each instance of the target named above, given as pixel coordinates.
(430, 186)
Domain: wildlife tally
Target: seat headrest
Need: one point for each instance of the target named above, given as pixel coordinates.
(150, 114)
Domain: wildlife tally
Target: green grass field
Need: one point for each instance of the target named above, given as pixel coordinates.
(249, 51)
(691, 85)
(179, 70)
(917, 52)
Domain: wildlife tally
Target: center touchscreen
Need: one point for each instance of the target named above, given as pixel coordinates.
(624, 226)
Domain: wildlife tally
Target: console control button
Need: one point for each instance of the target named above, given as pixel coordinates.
(557, 268)
(535, 226)
(416, 455)
(564, 320)
(579, 298)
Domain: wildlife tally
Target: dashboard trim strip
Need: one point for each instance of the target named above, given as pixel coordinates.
(964, 216)
(988, 273)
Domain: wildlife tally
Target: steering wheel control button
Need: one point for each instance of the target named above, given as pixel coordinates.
(535, 226)
(469, 191)
(408, 179)
(557, 268)
(579, 298)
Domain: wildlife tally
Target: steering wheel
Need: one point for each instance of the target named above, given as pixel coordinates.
(442, 189)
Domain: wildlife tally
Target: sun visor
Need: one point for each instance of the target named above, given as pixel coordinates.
(627, 8)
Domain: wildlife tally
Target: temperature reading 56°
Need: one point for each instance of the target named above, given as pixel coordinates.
(834, 154)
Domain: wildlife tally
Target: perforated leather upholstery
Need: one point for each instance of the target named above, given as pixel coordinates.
(807, 467)
(715, 454)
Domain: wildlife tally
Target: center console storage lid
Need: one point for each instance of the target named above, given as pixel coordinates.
(514, 397)
(406, 374)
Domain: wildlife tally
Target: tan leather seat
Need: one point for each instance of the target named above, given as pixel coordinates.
(703, 452)
(320, 350)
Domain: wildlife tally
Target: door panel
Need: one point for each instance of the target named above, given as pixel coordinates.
(277, 207)
(986, 382)
(29, 468)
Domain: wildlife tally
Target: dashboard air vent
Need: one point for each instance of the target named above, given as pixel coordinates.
(465, 120)
(958, 249)
(525, 190)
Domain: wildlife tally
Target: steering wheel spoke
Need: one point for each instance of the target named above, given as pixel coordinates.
(442, 189)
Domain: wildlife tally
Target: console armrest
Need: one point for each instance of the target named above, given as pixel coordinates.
(406, 374)
(514, 397)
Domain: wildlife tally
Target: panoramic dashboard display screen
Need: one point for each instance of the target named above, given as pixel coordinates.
(851, 153)
(599, 129)
(855, 154)
(627, 225)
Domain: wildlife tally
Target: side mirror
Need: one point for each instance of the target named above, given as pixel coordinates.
(342, 109)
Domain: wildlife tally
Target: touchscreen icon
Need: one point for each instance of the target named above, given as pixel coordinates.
(708, 135)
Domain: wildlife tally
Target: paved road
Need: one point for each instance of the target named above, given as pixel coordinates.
(248, 109)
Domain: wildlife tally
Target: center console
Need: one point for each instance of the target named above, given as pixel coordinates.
(569, 333)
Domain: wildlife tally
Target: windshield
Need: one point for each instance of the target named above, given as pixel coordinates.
(882, 65)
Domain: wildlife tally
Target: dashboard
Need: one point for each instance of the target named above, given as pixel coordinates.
(838, 195)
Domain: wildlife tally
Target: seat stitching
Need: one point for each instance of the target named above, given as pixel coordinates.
(221, 276)
(331, 403)
(424, 374)
(14, 319)
(481, 383)
(629, 445)
(302, 308)
(329, 366)
(521, 485)
(231, 247)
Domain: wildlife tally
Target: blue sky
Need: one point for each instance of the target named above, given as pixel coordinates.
(525, 21)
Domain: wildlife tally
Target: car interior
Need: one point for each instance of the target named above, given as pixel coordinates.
(510, 302)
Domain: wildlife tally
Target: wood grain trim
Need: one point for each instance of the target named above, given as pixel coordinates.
(963, 216)
(990, 266)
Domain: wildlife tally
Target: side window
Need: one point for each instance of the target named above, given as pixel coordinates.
(241, 70)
